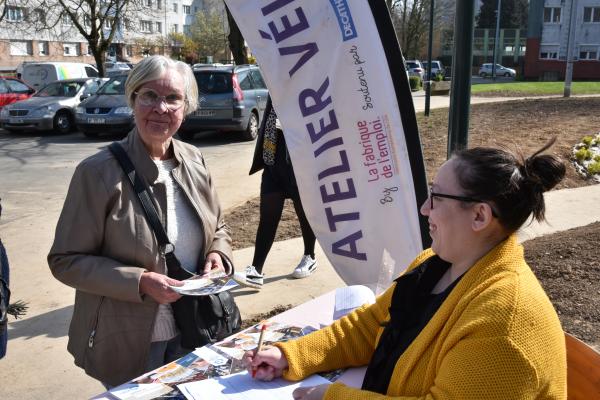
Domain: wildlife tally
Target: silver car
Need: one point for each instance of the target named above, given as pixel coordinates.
(106, 111)
(51, 108)
(486, 70)
(415, 68)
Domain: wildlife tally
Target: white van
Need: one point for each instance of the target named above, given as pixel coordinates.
(39, 74)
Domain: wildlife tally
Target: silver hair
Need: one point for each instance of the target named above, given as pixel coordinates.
(151, 68)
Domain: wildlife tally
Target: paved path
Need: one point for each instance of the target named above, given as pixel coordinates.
(38, 366)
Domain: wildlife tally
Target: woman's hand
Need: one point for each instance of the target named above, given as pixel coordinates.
(310, 393)
(157, 286)
(269, 363)
(213, 264)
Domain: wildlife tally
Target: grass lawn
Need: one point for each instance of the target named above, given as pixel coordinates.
(533, 88)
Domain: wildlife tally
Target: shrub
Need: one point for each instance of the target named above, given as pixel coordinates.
(438, 77)
(415, 83)
(583, 154)
(587, 140)
(597, 158)
(594, 168)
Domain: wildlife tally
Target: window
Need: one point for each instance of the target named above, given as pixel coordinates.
(146, 26)
(588, 54)
(87, 21)
(174, 28)
(552, 14)
(159, 4)
(187, 30)
(71, 49)
(175, 7)
(258, 80)
(107, 23)
(15, 14)
(16, 86)
(43, 48)
(3, 87)
(244, 80)
(21, 48)
(591, 14)
(187, 10)
(549, 55)
(66, 20)
(129, 50)
(148, 3)
(159, 27)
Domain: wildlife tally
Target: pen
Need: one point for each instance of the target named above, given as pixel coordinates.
(259, 347)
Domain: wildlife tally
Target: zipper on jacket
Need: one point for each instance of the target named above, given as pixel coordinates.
(93, 332)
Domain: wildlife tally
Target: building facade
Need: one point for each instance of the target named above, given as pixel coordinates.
(144, 31)
(548, 39)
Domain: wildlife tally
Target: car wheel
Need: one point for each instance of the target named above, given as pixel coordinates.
(507, 74)
(185, 135)
(63, 122)
(91, 135)
(482, 74)
(252, 129)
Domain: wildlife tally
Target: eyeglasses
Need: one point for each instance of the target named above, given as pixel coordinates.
(149, 98)
(433, 194)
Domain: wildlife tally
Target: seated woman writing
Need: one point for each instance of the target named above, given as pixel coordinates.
(468, 320)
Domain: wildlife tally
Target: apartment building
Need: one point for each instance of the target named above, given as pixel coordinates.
(548, 39)
(143, 31)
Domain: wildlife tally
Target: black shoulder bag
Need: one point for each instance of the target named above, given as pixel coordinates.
(200, 319)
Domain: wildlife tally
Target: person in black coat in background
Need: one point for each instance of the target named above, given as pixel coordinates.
(277, 184)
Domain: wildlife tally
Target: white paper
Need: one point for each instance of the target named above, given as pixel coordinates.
(350, 297)
(142, 391)
(211, 356)
(204, 286)
(242, 386)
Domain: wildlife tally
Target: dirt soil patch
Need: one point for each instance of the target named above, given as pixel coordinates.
(566, 263)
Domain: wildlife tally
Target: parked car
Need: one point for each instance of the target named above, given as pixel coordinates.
(436, 68)
(231, 98)
(106, 111)
(51, 108)
(486, 70)
(415, 68)
(39, 74)
(12, 90)
(116, 68)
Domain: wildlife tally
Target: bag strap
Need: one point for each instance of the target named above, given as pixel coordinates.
(142, 191)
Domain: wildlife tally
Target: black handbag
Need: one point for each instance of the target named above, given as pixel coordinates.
(200, 319)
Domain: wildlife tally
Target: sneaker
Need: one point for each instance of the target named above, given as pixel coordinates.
(307, 266)
(250, 277)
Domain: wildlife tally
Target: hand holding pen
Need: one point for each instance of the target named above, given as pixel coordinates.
(266, 362)
(259, 347)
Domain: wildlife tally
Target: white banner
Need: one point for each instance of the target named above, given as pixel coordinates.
(337, 80)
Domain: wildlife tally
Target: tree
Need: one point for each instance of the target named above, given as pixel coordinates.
(183, 48)
(411, 22)
(98, 21)
(513, 14)
(208, 31)
(236, 40)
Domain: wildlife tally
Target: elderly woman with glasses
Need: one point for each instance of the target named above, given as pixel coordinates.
(123, 323)
(468, 320)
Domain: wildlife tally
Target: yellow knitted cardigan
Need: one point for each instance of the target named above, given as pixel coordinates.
(496, 336)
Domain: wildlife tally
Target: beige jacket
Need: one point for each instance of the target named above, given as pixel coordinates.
(103, 244)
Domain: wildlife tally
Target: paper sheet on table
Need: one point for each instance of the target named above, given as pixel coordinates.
(143, 391)
(350, 297)
(241, 386)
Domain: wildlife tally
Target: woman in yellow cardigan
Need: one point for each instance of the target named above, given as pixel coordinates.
(468, 320)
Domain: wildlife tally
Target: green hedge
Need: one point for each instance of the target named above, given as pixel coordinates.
(415, 83)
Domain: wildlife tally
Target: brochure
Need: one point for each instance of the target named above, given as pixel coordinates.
(198, 286)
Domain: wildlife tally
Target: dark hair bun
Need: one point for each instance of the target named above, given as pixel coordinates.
(544, 171)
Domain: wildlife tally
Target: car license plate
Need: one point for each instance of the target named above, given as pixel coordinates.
(15, 120)
(204, 113)
(96, 120)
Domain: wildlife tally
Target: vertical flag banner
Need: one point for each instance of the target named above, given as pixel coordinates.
(337, 79)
